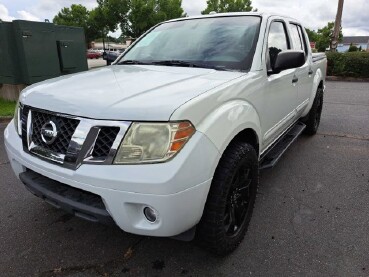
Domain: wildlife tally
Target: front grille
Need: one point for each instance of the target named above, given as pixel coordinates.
(66, 128)
(104, 142)
(93, 140)
(24, 115)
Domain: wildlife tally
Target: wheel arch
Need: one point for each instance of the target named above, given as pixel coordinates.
(249, 136)
(317, 84)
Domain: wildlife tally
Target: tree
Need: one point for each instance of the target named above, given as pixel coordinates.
(313, 36)
(113, 13)
(326, 37)
(145, 14)
(78, 16)
(169, 9)
(337, 26)
(222, 6)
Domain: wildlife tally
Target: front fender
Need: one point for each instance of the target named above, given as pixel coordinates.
(228, 120)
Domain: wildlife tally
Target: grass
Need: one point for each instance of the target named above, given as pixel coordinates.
(7, 108)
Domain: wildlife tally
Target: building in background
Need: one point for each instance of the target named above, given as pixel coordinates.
(358, 41)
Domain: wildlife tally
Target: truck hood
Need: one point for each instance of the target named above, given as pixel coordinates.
(125, 92)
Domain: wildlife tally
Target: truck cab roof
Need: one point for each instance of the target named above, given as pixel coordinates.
(260, 14)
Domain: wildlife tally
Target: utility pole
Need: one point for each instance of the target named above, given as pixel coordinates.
(337, 26)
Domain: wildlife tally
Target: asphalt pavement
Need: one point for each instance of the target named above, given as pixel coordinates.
(311, 217)
(93, 63)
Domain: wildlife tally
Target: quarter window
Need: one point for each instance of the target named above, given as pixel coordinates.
(298, 38)
(277, 42)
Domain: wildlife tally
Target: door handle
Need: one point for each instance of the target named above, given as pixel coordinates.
(295, 80)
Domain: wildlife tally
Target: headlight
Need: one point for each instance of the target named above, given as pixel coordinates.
(17, 124)
(153, 142)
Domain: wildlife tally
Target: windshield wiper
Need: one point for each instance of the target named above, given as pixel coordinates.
(133, 62)
(187, 64)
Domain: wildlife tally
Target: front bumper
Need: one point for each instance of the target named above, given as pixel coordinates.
(177, 189)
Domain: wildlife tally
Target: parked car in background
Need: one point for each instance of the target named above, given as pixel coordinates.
(99, 50)
(111, 56)
(93, 54)
(169, 140)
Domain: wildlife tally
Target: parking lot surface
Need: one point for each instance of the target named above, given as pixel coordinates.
(311, 217)
(93, 63)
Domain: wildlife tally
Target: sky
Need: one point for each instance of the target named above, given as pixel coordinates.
(313, 14)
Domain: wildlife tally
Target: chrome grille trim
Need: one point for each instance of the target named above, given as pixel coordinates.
(81, 145)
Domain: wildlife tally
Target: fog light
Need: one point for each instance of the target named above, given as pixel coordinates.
(150, 214)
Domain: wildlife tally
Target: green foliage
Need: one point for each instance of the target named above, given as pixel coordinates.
(351, 64)
(353, 48)
(7, 107)
(78, 16)
(113, 13)
(323, 37)
(223, 6)
(313, 36)
(134, 17)
(145, 14)
(326, 36)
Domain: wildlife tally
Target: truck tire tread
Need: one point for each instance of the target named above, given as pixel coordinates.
(210, 231)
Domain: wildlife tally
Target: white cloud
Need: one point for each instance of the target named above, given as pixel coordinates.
(27, 16)
(313, 14)
(4, 14)
(193, 7)
(47, 9)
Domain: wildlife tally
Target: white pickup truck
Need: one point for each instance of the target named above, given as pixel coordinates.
(169, 140)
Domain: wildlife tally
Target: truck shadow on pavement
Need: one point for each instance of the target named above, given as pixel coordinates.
(79, 248)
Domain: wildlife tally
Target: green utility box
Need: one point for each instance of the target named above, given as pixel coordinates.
(10, 72)
(36, 51)
(71, 49)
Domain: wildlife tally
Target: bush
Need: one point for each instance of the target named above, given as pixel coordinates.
(352, 64)
(353, 48)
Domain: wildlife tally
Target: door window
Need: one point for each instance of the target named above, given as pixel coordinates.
(277, 42)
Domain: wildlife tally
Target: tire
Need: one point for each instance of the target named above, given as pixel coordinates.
(230, 201)
(312, 120)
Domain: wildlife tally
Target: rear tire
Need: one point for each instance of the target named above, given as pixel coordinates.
(312, 120)
(231, 200)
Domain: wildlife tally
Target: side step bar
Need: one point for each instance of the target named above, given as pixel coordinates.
(272, 156)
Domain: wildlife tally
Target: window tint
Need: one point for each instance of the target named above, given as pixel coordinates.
(296, 38)
(277, 41)
(224, 42)
(303, 39)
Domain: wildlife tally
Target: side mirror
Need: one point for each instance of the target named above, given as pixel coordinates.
(288, 59)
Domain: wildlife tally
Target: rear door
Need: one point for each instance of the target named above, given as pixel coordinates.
(279, 102)
(305, 73)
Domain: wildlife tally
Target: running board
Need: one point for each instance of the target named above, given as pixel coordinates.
(273, 155)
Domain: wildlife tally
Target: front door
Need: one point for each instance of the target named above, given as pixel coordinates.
(281, 90)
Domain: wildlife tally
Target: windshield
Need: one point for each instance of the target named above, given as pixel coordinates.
(226, 43)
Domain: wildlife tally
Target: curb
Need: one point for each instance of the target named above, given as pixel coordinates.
(5, 119)
(346, 79)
